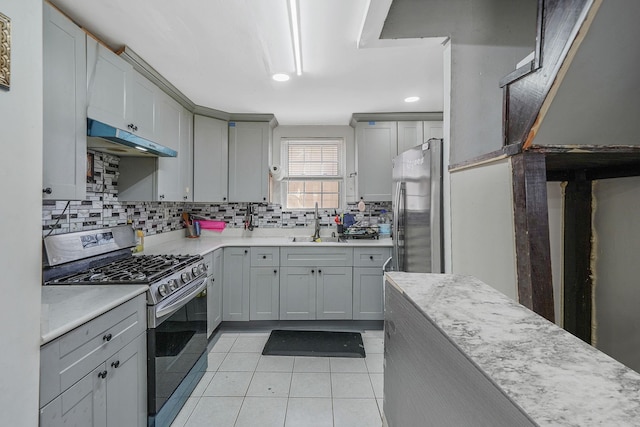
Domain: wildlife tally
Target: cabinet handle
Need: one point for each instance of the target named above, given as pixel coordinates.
(132, 127)
(102, 374)
(224, 198)
(162, 196)
(371, 257)
(116, 364)
(107, 337)
(47, 190)
(246, 251)
(319, 271)
(264, 199)
(313, 271)
(184, 197)
(264, 257)
(275, 271)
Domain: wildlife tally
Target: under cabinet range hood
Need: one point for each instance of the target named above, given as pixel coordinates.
(104, 137)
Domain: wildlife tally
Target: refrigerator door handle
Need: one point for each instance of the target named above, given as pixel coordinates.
(396, 221)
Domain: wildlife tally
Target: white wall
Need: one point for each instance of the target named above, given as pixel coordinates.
(483, 235)
(21, 192)
(616, 223)
(345, 132)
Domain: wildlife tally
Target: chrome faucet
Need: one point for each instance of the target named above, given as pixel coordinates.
(316, 233)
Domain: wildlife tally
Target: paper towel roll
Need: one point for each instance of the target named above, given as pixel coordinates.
(276, 172)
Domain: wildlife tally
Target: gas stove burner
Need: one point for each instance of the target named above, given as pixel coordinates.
(98, 276)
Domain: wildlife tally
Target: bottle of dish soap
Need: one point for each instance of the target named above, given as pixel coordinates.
(139, 241)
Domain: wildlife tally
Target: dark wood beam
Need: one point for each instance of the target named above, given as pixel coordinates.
(577, 257)
(533, 253)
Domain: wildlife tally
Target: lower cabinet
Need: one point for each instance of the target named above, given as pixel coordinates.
(368, 293)
(264, 293)
(214, 261)
(235, 284)
(97, 373)
(310, 293)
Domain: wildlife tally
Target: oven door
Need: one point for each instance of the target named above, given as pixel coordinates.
(177, 337)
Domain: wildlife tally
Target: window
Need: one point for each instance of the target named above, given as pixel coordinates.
(314, 173)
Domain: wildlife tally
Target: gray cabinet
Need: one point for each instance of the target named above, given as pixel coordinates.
(264, 294)
(95, 375)
(144, 114)
(65, 100)
(214, 261)
(175, 131)
(109, 80)
(248, 161)
(376, 146)
(210, 160)
(411, 134)
(316, 283)
(368, 283)
(235, 285)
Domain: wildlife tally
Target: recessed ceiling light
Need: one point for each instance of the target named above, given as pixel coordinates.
(281, 77)
(412, 99)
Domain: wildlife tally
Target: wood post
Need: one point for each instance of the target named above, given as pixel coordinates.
(531, 220)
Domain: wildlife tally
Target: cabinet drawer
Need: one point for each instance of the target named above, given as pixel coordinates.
(265, 257)
(370, 257)
(328, 256)
(67, 359)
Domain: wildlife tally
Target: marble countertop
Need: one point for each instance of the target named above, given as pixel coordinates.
(553, 376)
(210, 241)
(67, 307)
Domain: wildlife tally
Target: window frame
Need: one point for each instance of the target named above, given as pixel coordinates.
(339, 177)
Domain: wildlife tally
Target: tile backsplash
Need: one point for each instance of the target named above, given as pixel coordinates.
(102, 209)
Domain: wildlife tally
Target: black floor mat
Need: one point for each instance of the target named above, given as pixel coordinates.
(314, 343)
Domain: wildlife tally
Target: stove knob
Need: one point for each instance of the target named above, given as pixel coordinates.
(203, 268)
(162, 290)
(195, 271)
(185, 277)
(173, 284)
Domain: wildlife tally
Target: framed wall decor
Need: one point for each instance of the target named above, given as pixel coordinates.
(5, 51)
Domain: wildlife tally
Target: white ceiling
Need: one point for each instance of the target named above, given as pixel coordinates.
(221, 54)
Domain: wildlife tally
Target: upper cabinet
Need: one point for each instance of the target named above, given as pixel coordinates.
(175, 131)
(109, 80)
(210, 160)
(376, 146)
(120, 96)
(248, 161)
(64, 93)
(377, 143)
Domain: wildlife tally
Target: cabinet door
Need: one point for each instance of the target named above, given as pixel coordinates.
(210, 160)
(214, 293)
(264, 297)
(376, 146)
(185, 155)
(235, 284)
(368, 293)
(432, 129)
(297, 293)
(248, 161)
(109, 80)
(334, 293)
(65, 100)
(127, 385)
(143, 107)
(83, 404)
(410, 134)
(170, 188)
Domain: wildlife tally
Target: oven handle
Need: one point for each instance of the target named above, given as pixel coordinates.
(182, 301)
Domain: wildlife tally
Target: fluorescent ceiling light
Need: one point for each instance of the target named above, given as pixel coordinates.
(412, 99)
(280, 77)
(295, 34)
(141, 148)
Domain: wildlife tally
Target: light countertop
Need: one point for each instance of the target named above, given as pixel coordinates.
(66, 307)
(553, 376)
(210, 241)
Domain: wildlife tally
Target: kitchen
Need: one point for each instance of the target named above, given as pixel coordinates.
(25, 335)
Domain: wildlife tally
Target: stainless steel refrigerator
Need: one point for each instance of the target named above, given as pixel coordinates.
(417, 209)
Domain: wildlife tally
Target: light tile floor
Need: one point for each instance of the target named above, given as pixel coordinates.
(242, 388)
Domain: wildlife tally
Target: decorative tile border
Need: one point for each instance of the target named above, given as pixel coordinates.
(102, 209)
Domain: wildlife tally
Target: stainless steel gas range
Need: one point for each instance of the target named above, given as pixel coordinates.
(176, 305)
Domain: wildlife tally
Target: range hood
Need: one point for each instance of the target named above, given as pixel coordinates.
(106, 138)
